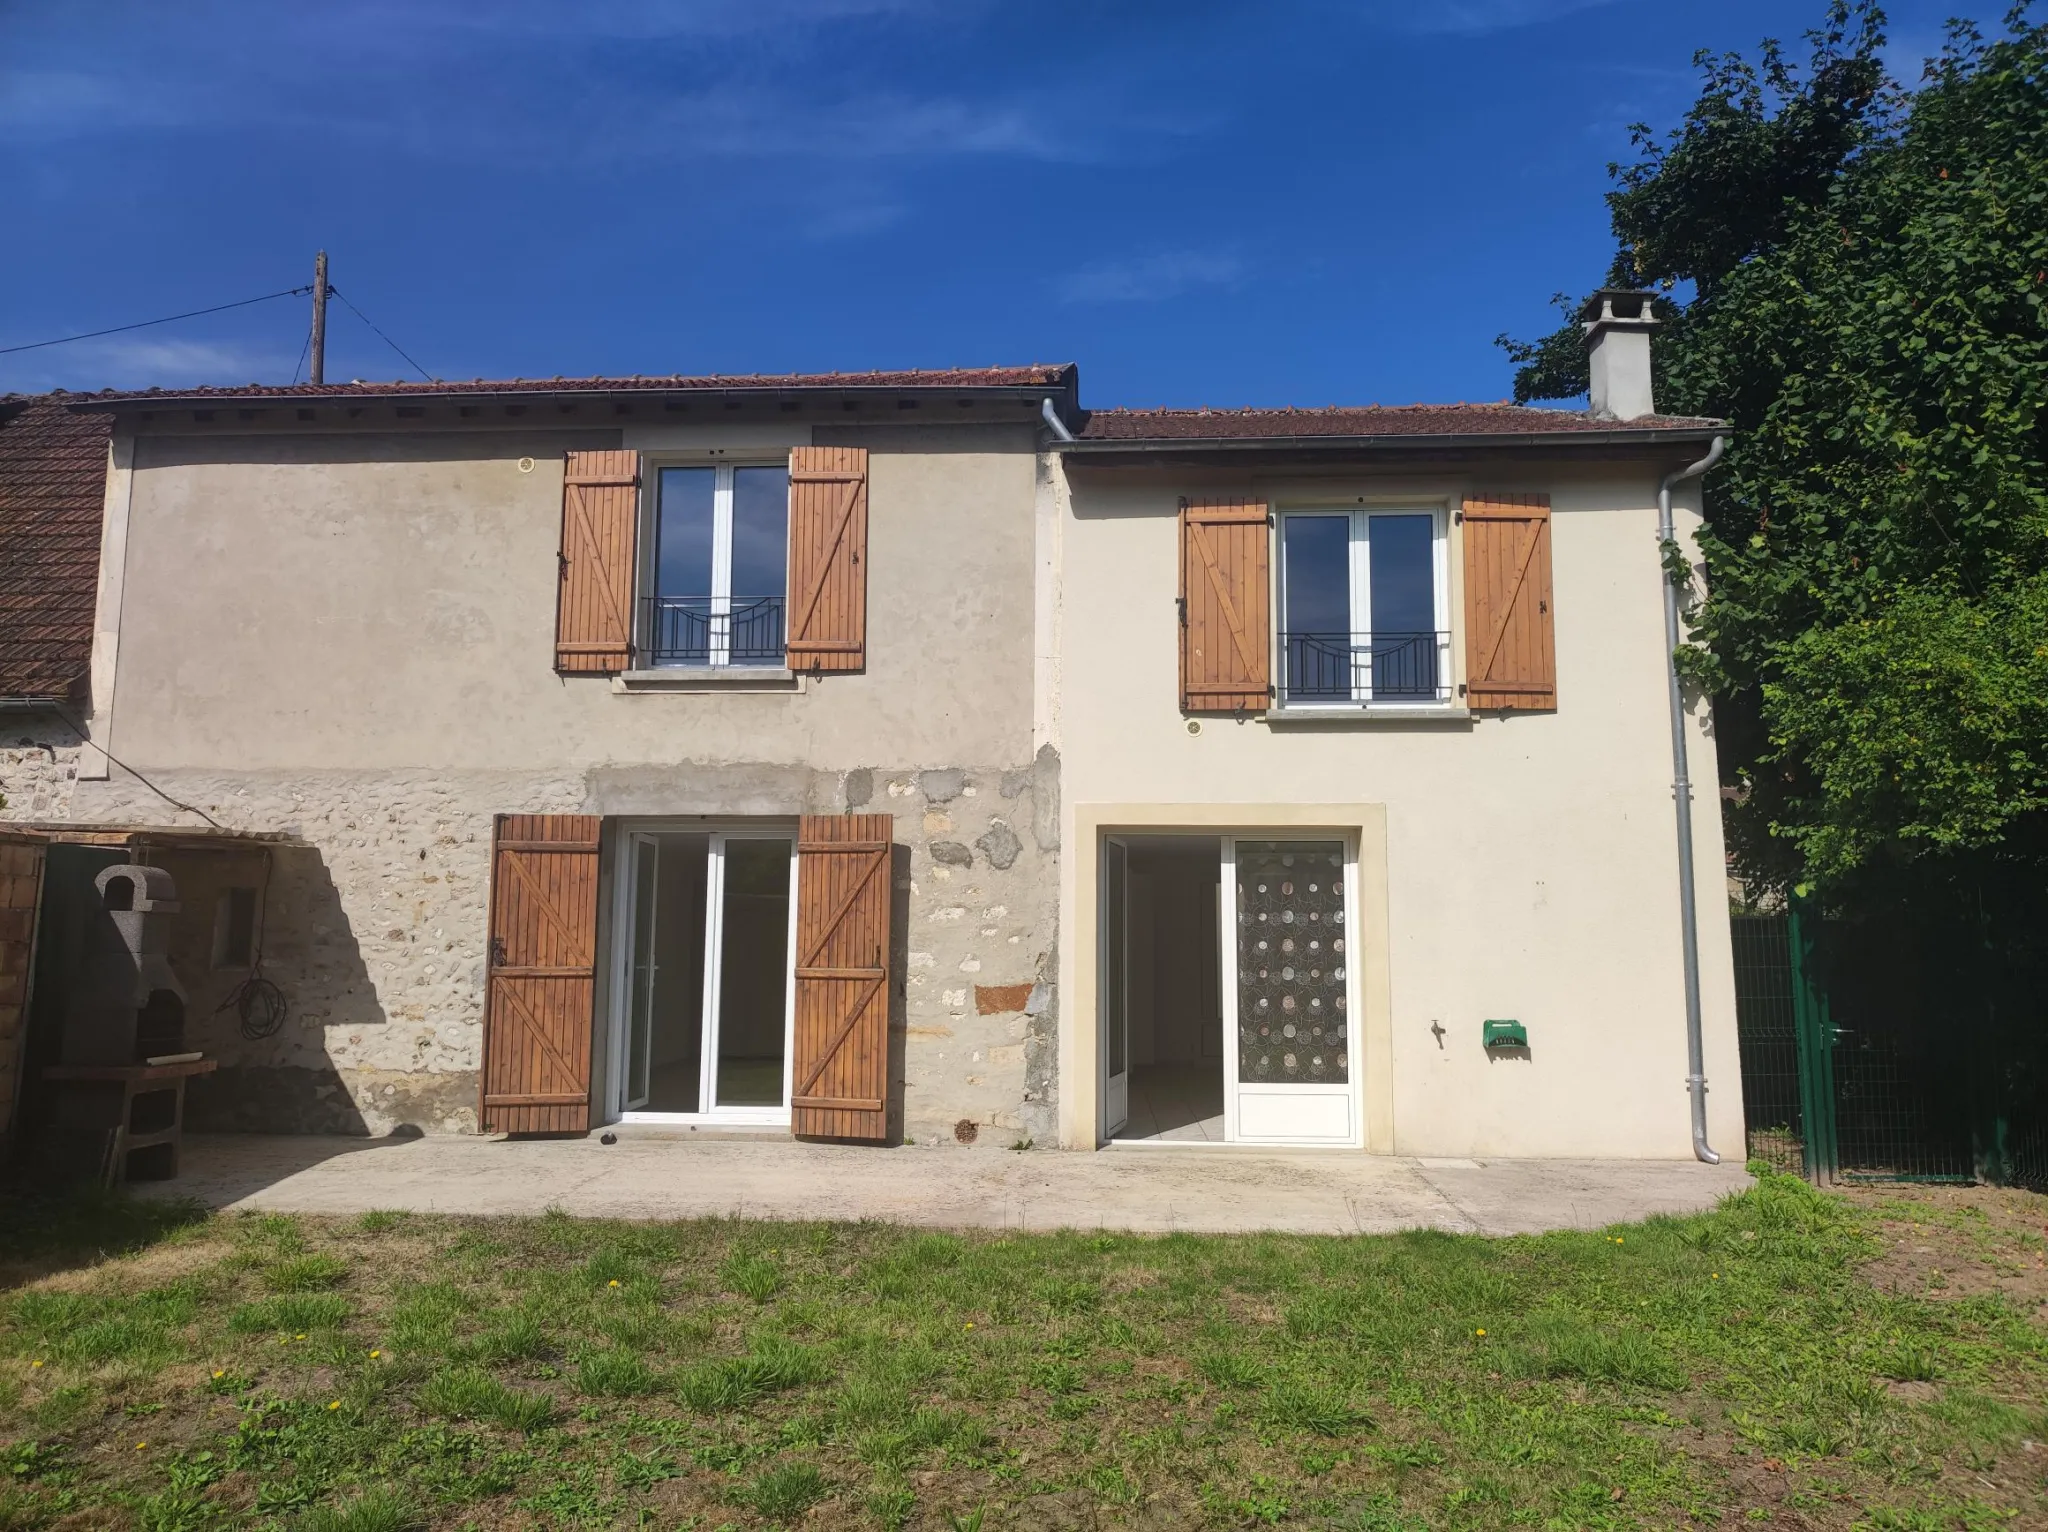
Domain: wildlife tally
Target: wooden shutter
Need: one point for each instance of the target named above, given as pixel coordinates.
(828, 558)
(1510, 650)
(539, 1006)
(21, 895)
(600, 524)
(841, 1067)
(1225, 598)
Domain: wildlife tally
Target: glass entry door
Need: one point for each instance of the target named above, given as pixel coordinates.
(1291, 1060)
(703, 980)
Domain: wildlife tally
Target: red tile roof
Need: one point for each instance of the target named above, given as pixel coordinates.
(1036, 376)
(1501, 419)
(53, 473)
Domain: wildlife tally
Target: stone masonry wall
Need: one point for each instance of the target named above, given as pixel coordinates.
(376, 930)
(38, 766)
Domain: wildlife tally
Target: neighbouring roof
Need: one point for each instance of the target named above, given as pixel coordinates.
(1340, 422)
(53, 473)
(1108, 431)
(1037, 376)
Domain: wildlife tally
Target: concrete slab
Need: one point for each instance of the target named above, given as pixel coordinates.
(1152, 1190)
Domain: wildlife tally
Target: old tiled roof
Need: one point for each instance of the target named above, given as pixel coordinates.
(1500, 419)
(1036, 376)
(53, 470)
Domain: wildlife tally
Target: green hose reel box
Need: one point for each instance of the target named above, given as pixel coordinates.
(1506, 1034)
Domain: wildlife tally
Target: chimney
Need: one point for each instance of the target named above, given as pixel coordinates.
(1618, 324)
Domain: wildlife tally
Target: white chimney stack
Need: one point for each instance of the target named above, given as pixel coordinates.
(1618, 324)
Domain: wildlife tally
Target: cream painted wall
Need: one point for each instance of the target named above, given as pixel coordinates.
(1529, 860)
(388, 600)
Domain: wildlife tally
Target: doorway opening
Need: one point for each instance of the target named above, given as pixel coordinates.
(1228, 990)
(1173, 990)
(703, 979)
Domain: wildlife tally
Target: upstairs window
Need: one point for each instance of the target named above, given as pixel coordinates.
(1363, 609)
(720, 567)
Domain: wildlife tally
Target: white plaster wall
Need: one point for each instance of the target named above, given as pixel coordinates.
(388, 600)
(1530, 858)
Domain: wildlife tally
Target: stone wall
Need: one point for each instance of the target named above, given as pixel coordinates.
(375, 931)
(38, 766)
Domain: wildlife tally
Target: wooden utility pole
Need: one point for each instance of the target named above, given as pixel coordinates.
(319, 347)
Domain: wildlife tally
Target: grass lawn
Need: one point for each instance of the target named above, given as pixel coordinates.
(1792, 1358)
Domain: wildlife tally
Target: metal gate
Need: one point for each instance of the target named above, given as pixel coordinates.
(1860, 1060)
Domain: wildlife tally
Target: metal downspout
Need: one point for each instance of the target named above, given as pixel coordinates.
(1051, 417)
(1681, 795)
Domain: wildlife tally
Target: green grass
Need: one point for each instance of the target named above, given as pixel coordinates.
(400, 1374)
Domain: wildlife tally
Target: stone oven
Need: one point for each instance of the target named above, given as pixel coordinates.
(125, 1005)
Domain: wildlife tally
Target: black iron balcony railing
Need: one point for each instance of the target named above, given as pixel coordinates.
(713, 630)
(1364, 667)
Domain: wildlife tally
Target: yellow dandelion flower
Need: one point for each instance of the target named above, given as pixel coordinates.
(220, 1372)
(140, 1445)
(35, 1364)
(1479, 1332)
(970, 1324)
(300, 1336)
(334, 1404)
(1715, 1275)
(613, 1283)
(375, 1354)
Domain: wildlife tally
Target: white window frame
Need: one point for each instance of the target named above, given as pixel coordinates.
(1359, 574)
(621, 1020)
(719, 648)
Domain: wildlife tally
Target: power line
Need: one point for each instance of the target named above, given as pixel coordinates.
(65, 340)
(365, 318)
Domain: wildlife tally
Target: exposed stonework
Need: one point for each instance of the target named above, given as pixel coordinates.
(1000, 845)
(941, 786)
(38, 766)
(376, 931)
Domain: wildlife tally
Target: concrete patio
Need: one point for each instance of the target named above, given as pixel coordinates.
(1152, 1190)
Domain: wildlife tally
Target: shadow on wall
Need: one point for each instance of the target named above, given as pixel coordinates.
(265, 1002)
(272, 969)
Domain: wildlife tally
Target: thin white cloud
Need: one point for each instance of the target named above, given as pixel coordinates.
(1151, 278)
(141, 362)
(654, 19)
(1475, 18)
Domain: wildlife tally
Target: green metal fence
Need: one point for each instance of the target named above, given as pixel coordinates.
(1864, 1056)
(1766, 1025)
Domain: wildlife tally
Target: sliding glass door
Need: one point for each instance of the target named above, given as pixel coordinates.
(703, 981)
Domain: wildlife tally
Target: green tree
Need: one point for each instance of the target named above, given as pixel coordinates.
(1854, 273)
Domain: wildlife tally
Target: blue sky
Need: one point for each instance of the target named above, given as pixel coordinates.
(1282, 203)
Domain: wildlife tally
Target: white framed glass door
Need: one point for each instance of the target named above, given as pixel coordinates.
(643, 855)
(1290, 987)
(1116, 981)
(704, 983)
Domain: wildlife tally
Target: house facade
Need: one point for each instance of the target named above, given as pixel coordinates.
(892, 756)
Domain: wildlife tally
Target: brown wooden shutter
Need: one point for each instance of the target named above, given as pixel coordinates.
(600, 525)
(21, 895)
(841, 1066)
(828, 558)
(1510, 649)
(539, 1006)
(1225, 601)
